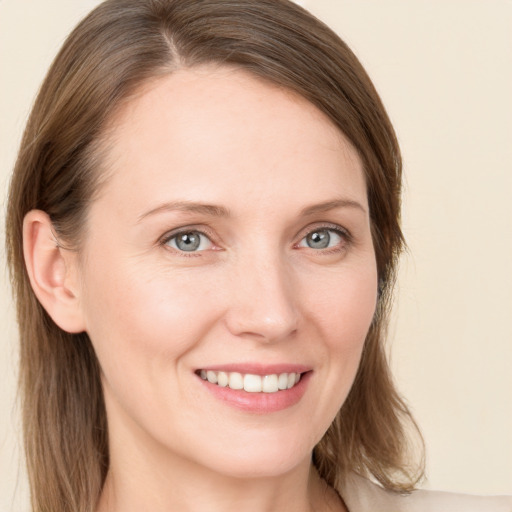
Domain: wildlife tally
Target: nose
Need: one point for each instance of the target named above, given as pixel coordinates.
(263, 303)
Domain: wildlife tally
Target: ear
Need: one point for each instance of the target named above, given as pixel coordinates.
(53, 272)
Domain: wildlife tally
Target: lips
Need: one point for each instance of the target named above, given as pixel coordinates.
(256, 388)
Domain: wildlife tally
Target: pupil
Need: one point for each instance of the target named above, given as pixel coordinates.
(188, 241)
(319, 239)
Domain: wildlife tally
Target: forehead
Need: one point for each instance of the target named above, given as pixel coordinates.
(221, 133)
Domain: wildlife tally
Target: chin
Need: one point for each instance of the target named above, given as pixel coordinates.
(260, 467)
(258, 458)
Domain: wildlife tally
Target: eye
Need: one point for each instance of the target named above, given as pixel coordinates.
(323, 238)
(189, 241)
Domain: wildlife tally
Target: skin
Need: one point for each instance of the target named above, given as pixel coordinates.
(255, 292)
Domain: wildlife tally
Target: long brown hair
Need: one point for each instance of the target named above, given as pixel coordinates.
(112, 53)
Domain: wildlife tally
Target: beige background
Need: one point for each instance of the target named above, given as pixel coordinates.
(444, 71)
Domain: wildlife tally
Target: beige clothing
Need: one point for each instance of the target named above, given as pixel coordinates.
(361, 495)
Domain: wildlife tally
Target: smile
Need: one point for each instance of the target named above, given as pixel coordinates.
(251, 383)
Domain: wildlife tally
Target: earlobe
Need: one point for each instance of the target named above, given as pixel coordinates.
(52, 272)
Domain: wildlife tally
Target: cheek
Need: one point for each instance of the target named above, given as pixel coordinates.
(347, 305)
(344, 314)
(139, 319)
(340, 314)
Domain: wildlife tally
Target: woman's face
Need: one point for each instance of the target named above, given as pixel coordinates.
(231, 241)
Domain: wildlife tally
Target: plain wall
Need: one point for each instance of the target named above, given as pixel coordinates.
(444, 71)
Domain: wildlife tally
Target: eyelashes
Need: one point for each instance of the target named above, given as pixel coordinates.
(323, 239)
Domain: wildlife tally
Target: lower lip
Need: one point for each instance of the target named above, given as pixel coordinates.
(259, 403)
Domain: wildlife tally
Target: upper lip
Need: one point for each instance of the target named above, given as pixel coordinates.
(258, 368)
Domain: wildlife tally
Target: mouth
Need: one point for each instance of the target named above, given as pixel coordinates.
(252, 383)
(255, 388)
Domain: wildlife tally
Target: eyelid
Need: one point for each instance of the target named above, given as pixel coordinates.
(327, 226)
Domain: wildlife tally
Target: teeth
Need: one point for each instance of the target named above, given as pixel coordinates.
(282, 381)
(212, 377)
(222, 379)
(270, 383)
(252, 383)
(236, 381)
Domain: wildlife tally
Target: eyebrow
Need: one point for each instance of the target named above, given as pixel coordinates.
(190, 207)
(331, 205)
(220, 211)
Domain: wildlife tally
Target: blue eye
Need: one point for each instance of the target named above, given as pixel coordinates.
(321, 239)
(189, 241)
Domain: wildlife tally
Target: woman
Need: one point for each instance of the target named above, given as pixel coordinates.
(203, 229)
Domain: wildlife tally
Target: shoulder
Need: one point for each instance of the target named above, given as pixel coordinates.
(361, 495)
